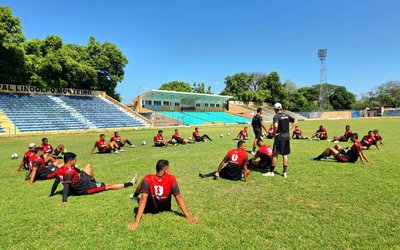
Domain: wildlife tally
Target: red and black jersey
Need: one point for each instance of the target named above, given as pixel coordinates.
(47, 148)
(176, 136)
(265, 153)
(367, 141)
(378, 136)
(243, 132)
(36, 162)
(70, 175)
(323, 133)
(348, 133)
(353, 151)
(101, 145)
(158, 139)
(117, 139)
(237, 158)
(160, 190)
(297, 133)
(28, 155)
(196, 133)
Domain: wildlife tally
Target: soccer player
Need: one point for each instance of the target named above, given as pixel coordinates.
(25, 160)
(179, 139)
(120, 142)
(321, 133)
(105, 147)
(243, 134)
(378, 137)
(270, 132)
(80, 181)
(39, 169)
(297, 134)
(369, 140)
(156, 190)
(236, 161)
(197, 137)
(258, 125)
(345, 137)
(48, 149)
(159, 140)
(282, 138)
(265, 153)
(340, 155)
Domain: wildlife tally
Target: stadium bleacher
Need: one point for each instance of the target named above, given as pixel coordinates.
(198, 118)
(39, 112)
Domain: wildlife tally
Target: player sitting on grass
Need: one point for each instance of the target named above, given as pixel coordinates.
(120, 142)
(369, 140)
(345, 137)
(156, 190)
(105, 147)
(179, 139)
(25, 160)
(49, 151)
(236, 167)
(297, 134)
(340, 155)
(198, 137)
(378, 137)
(270, 132)
(159, 140)
(243, 134)
(265, 154)
(39, 170)
(80, 181)
(321, 133)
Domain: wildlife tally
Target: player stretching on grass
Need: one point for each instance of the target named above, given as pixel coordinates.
(368, 140)
(243, 134)
(282, 138)
(265, 154)
(345, 137)
(159, 140)
(28, 154)
(80, 181)
(156, 190)
(297, 134)
(105, 147)
(378, 137)
(237, 165)
(321, 133)
(49, 151)
(39, 170)
(340, 155)
(198, 137)
(120, 142)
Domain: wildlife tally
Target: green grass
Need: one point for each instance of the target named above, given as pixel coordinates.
(320, 205)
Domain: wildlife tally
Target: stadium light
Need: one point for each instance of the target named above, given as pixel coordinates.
(322, 77)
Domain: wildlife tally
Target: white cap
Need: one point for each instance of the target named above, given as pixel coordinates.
(277, 106)
(32, 144)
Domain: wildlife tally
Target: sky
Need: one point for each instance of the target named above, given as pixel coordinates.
(207, 40)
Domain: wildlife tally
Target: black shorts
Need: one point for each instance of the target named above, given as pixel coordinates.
(258, 133)
(198, 138)
(120, 144)
(342, 157)
(231, 173)
(85, 185)
(104, 150)
(282, 147)
(42, 173)
(365, 144)
(162, 144)
(56, 152)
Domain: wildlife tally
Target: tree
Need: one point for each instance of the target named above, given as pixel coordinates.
(237, 84)
(342, 99)
(176, 86)
(12, 62)
(200, 88)
(278, 93)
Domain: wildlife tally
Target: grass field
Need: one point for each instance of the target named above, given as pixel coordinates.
(320, 205)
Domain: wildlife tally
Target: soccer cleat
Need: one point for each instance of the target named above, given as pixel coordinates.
(132, 146)
(121, 150)
(284, 175)
(326, 157)
(315, 159)
(253, 152)
(202, 175)
(133, 197)
(269, 174)
(134, 179)
(116, 152)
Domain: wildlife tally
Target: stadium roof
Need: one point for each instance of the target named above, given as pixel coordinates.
(164, 94)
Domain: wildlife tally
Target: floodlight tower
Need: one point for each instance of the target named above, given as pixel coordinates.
(322, 77)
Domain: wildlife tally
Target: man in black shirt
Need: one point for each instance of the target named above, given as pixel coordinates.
(258, 125)
(282, 138)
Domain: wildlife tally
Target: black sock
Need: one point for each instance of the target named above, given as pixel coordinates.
(212, 174)
(320, 156)
(254, 149)
(129, 143)
(284, 168)
(208, 137)
(128, 184)
(272, 169)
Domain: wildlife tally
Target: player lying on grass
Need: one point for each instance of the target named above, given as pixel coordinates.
(25, 160)
(265, 154)
(297, 134)
(198, 137)
(341, 155)
(243, 134)
(321, 133)
(80, 181)
(156, 190)
(378, 137)
(345, 137)
(39, 170)
(159, 140)
(105, 147)
(49, 151)
(119, 141)
(236, 161)
(178, 139)
(369, 140)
